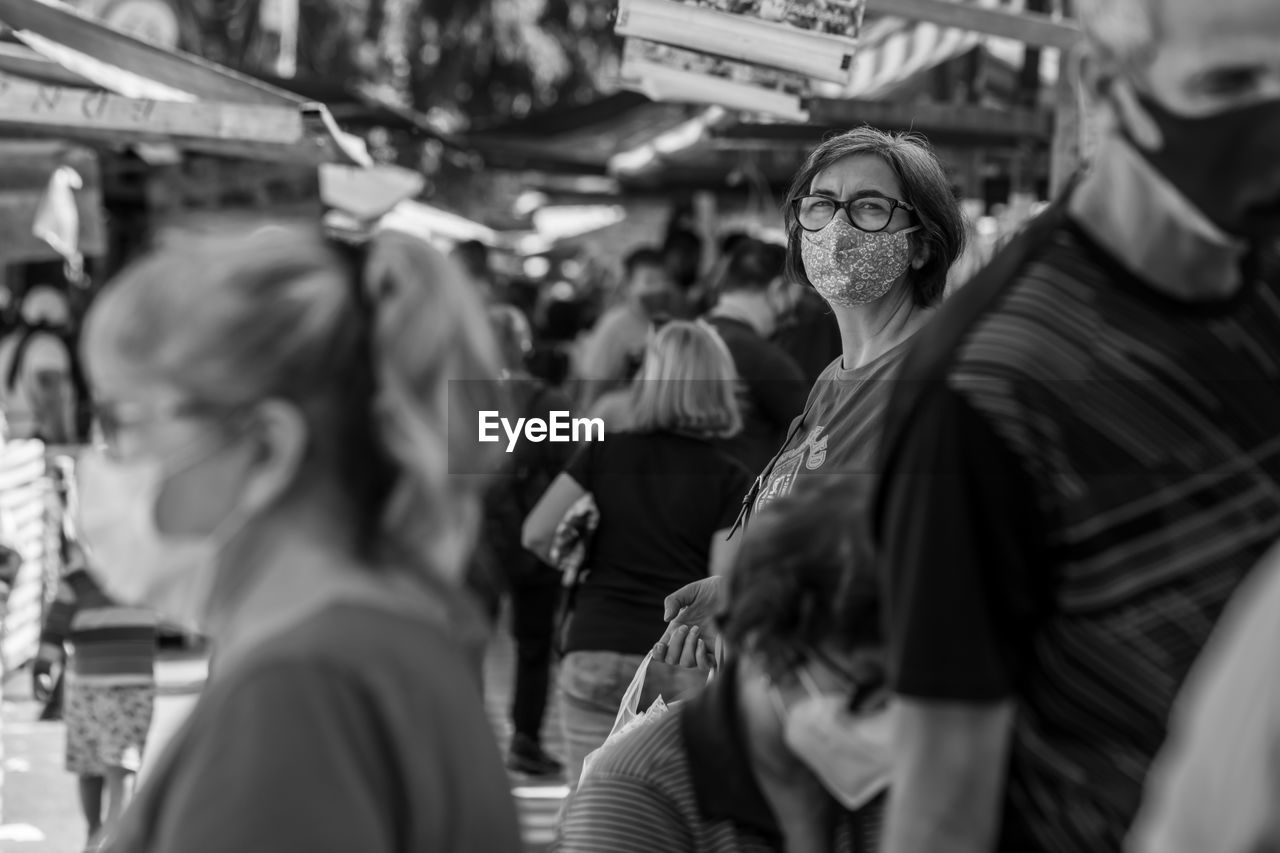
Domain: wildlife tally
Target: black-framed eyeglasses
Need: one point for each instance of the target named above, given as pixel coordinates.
(111, 419)
(870, 213)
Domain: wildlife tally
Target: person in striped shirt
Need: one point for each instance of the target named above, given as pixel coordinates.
(110, 688)
(738, 767)
(1082, 457)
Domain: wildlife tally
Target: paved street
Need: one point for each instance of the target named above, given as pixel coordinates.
(39, 811)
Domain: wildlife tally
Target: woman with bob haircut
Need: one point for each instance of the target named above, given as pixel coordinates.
(734, 768)
(873, 226)
(272, 472)
(667, 495)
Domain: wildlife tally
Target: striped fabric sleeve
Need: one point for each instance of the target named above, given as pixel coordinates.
(57, 624)
(622, 814)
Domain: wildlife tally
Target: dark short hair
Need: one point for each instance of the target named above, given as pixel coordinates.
(473, 256)
(682, 240)
(807, 579)
(925, 186)
(754, 265)
(731, 241)
(643, 257)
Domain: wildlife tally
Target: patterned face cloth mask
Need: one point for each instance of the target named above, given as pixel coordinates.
(850, 267)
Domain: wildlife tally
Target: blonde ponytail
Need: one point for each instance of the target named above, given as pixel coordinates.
(436, 366)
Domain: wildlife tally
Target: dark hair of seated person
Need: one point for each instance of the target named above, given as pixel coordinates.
(808, 582)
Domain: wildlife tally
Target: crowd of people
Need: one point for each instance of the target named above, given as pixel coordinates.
(868, 561)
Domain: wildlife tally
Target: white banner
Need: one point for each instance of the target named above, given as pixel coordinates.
(665, 73)
(816, 38)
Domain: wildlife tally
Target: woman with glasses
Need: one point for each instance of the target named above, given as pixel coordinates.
(873, 226)
(742, 766)
(273, 473)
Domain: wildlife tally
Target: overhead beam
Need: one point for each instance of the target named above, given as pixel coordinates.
(956, 119)
(1027, 27)
(270, 132)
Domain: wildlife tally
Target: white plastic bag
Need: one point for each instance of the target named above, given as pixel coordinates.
(629, 716)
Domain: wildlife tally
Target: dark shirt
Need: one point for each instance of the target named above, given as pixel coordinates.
(685, 784)
(811, 337)
(837, 434)
(662, 497)
(771, 392)
(361, 729)
(1080, 470)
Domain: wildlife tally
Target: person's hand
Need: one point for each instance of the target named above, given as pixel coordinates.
(694, 605)
(42, 674)
(685, 648)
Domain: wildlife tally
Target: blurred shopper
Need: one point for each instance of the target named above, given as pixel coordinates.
(667, 495)
(473, 257)
(682, 251)
(1082, 465)
(734, 768)
(38, 370)
(274, 472)
(110, 689)
(1216, 783)
(610, 351)
(771, 389)
(534, 587)
(810, 335)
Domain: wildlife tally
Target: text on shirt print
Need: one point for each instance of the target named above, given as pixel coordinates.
(782, 478)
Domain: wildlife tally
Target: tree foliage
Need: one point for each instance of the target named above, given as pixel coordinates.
(465, 62)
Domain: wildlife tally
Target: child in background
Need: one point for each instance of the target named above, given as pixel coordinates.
(110, 688)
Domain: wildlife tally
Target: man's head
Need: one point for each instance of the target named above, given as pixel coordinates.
(1195, 86)
(646, 279)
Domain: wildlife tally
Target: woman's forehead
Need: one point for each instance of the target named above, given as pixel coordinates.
(857, 173)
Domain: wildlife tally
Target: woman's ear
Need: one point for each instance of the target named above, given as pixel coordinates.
(282, 444)
(922, 254)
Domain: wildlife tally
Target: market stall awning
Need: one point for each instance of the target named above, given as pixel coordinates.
(115, 89)
(578, 139)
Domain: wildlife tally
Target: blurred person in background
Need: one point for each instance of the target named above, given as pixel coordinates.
(473, 257)
(1081, 466)
(682, 251)
(534, 587)
(38, 390)
(608, 356)
(740, 766)
(109, 689)
(274, 470)
(809, 334)
(753, 297)
(666, 494)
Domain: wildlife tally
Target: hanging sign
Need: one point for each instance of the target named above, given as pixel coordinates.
(815, 38)
(665, 73)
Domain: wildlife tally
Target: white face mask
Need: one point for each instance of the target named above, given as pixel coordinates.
(850, 267)
(849, 753)
(135, 562)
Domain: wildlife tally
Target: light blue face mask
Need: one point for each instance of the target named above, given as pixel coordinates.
(849, 267)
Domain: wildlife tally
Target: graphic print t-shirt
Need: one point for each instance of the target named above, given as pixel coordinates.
(838, 433)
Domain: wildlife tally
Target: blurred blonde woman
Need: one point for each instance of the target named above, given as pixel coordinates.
(667, 495)
(272, 471)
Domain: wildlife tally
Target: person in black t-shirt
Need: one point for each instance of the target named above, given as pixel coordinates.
(771, 389)
(667, 495)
